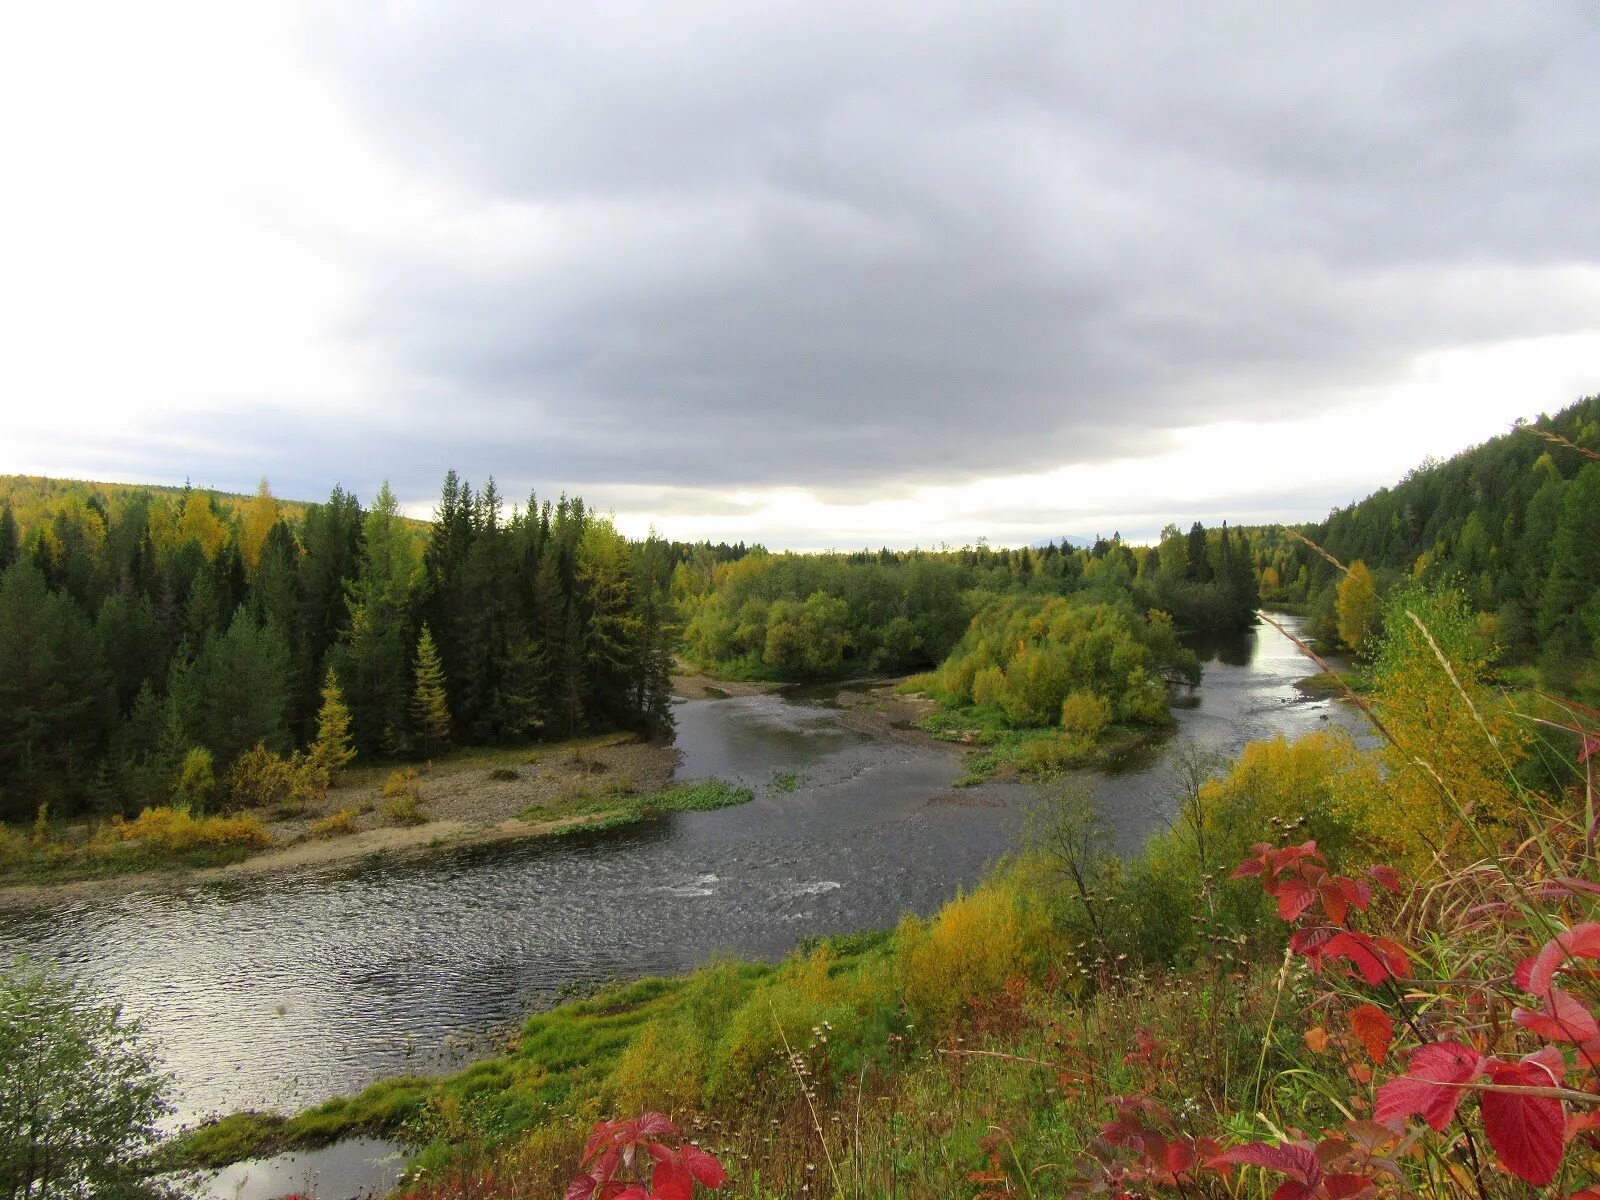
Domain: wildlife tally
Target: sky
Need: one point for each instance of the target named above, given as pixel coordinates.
(811, 274)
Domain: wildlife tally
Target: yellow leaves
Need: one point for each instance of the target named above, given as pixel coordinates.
(1356, 605)
(260, 515)
(1316, 1039)
(198, 522)
(1454, 741)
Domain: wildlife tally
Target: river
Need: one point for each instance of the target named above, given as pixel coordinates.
(280, 991)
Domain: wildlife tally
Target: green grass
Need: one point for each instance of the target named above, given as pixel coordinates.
(1330, 683)
(65, 857)
(1031, 752)
(610, 810)
(559, 1064)
(784, 782)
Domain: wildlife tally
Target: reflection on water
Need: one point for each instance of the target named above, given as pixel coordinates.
(281, 991)
(350, 1169)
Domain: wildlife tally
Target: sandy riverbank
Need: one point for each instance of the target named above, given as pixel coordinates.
(474, 798)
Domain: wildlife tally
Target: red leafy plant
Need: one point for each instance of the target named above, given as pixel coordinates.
(1522, 1102)
(643, 1158)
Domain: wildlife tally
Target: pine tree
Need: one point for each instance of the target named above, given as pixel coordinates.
(332, 750)
(430, 705)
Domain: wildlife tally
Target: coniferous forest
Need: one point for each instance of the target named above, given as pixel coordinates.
(138, 625)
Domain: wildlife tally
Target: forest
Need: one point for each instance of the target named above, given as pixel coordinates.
(139, 626)
(809, 616)
(154, 640)
(1514, 524)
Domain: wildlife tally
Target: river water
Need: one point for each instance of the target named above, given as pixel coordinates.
(280, 991)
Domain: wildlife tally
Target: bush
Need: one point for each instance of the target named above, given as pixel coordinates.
(1043, 755)
(196, 785)
(1084, 715)
(177, 831)
(405, 809)
(260, 779)
(970, 949)
(402, 783)
(80, 1094)
(339, 824)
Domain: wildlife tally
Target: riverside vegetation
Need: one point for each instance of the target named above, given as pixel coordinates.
(1339, 973)
(1286, 986)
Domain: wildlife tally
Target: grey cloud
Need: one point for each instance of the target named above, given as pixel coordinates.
(845, 246)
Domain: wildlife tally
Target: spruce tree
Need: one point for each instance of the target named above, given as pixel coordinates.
(10, 539)
(430, 705)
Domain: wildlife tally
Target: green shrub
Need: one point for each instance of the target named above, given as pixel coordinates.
(405, 808)
(80, 1094)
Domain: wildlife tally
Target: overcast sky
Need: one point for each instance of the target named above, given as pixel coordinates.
(814, 274)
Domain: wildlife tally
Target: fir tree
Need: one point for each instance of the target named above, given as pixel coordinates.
(10, 538)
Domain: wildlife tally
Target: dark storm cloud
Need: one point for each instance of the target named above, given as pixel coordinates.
(838, 247)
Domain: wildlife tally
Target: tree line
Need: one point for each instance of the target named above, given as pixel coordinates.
(799, 616)
(1513, 524)
(137, 625)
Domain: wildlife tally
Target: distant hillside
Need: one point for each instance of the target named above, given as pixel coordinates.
(35, 499)
(1514, 522)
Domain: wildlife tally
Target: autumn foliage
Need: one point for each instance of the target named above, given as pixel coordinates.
(643, 1158)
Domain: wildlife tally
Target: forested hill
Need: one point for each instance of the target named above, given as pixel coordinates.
(140, 626)
(1515, 523)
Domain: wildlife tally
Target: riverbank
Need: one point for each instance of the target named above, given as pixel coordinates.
(471, 798)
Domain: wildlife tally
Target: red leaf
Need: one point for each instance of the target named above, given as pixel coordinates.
(654, 1124)
(1525, 1131)
(1177, 1157)
(1253, 866)
(707, 1168)
(1340, 894)
(1311, 942)
(1581, 941)
(1290, 855)
(1524, 974)
(1294, 1159)
(1294, 897)
(1377, 959)
(1426, 1089)
(1386, 877)
(671, 1180)
(1341, 1187)
(1580, 1123)
(1374, 1028)
(1563, 1019)
(581, 1188)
